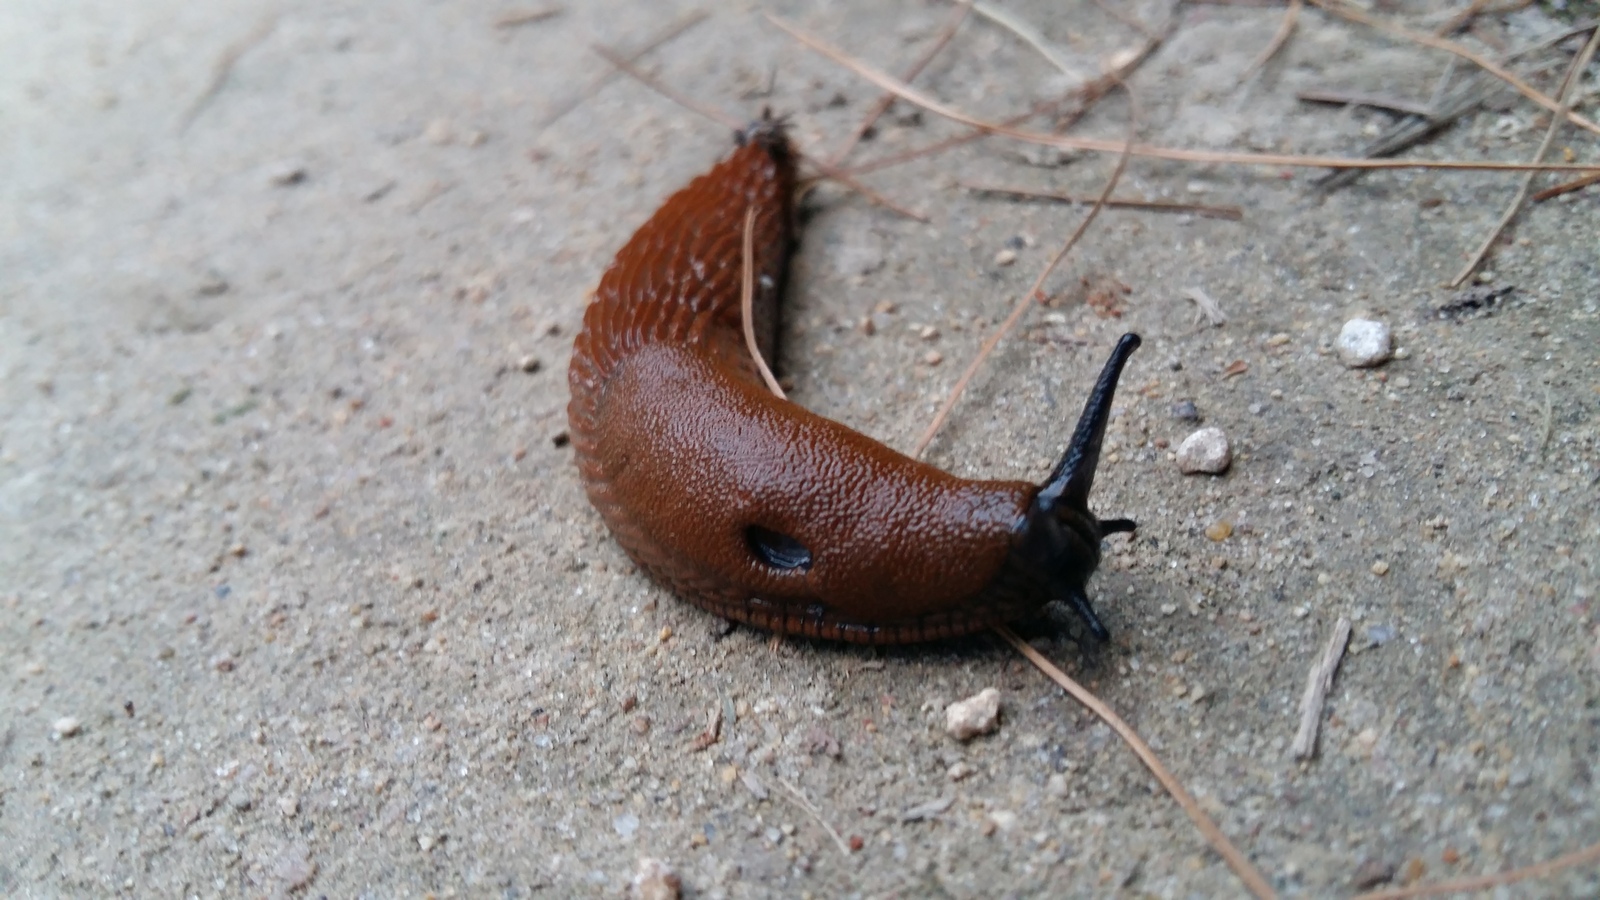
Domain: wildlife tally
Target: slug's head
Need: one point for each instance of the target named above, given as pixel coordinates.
(1058, 543)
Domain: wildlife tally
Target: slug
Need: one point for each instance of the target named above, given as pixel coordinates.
(763, 512)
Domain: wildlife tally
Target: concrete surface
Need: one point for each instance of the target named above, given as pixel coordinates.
(301, 596)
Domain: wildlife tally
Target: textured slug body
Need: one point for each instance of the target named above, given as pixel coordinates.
(753, 507)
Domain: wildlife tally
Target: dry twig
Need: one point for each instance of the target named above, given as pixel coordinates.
(815, 814)
(677, 27)
(223, 67)
(1231, 213)
(1285, 28)
(1587, 855)
(1460, 19)
(1568, 86)
(1438, 43)
(1348, 98)
(519, 19)
(747, 304)
(733, 123)
(1029, 34)
(1230, 854)
(1567, 187)
(1100, 145)
(1318, 682)
(1205, 307)
(626, 66)
(1087, 94)
(886, 99)
(1028, 297)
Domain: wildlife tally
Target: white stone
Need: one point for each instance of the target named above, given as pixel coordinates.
(966, 719)
(1364, 343)
(67, 726)
(1206, 451)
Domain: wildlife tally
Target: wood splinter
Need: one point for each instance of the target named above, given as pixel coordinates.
(1317, 685)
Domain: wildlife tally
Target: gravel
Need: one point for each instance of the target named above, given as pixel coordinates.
(1364, 343)
(1206, 451)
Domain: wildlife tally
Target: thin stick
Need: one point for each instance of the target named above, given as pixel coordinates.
(519, 19)
(1318, 682)
(1026, 301)
(1587, 855)
(747, 304)
(627, 66)
(1029, 34)
(223, 67)
(850, 181)
(1460, 19)
(1100, 145)
(733, 123)
(1117, 13)
(672, 30)
(1447, 104)
(1230, 854)
(1549, 420)
(1088, 93)
(1232, 213)
(1346, 98)
(895, 159)
(886, 99)
(1285, 28)
(1449, 46)
(815, 814)
(1205, 308)
(1567, 187)
(1574, 75)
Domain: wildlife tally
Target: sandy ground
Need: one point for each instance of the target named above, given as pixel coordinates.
(301, 594)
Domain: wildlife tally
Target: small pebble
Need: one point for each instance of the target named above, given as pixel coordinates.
(654, 879)
(1413, 871)
(966, 719)
(1364, 343)
(295, 868)
(1185, 411)
(288, 806)
(932, 358)
(67, 726)
(626, 825)
(529, 364)
(1380, 568)
(1207, 451)
(1371, 873)
(287, 174)
(1005, 257)
(1220, 530)
(439, 132)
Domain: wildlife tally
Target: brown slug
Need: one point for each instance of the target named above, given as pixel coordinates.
(760, 511)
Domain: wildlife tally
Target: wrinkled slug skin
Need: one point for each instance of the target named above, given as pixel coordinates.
(682, 449)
